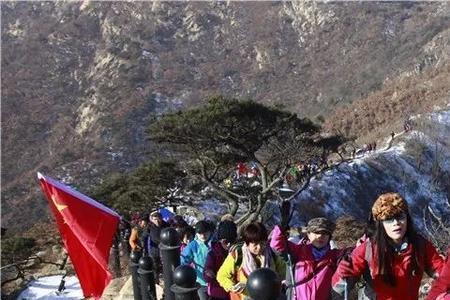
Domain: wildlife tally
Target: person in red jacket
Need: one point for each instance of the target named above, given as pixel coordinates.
(396, 255)
(440, 289)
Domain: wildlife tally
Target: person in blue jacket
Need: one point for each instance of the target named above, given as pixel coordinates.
(195, 254)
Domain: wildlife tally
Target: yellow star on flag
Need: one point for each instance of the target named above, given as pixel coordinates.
(59, 207)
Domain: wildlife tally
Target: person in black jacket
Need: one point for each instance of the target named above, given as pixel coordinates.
(139, 235)
(155, 226)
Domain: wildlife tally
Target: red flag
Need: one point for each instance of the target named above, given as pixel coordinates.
(87, 229)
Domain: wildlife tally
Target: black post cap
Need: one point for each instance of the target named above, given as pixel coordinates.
(134, 256)
(184, 276)
(264, 284)
(170, 237)
(146, 263)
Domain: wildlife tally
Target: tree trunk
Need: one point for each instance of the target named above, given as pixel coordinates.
(254, 215)
(341, 156)
(233, 208)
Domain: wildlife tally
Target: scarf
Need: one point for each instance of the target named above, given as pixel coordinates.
(400, 248)
(248, 261)
(319, 253)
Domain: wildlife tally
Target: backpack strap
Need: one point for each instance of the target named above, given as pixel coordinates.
(368, 253)
(311, 275)
(421, 250)
(237, 255)
(317, 269)
(238, 261)
(236, 252)
(368, 257)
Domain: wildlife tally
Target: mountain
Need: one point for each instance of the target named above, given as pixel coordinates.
(82, 80)
(415, 163)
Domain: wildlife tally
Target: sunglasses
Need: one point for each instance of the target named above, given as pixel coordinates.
(398, 217)
(321, 232)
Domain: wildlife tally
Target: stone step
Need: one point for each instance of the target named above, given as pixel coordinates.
(122, 289)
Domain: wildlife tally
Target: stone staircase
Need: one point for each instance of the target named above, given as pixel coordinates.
(122, 289)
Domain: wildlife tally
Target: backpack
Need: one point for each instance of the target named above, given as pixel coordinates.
(236, 252)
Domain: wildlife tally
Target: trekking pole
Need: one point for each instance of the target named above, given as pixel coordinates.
(291, 274)
(61, 286)
(345, 289)
(64, 262)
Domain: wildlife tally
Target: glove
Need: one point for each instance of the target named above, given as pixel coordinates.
(238, 287)
(285, 213)
(345, 268)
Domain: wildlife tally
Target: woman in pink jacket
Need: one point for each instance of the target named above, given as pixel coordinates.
(315, 261)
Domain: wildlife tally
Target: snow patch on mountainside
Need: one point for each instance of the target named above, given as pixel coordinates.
(408, 167)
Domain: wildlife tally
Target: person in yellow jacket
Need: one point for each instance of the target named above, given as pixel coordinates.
(243, 259)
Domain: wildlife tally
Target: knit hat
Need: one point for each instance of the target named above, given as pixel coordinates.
(202, 227)
(228, 217)
(177, 221)
(319, 224)
(227, 230)
(388, 205)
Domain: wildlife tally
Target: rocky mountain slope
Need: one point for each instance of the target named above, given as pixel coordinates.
(415, 163)
(81, 81)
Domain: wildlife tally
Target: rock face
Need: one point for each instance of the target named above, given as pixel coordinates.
(81, 81)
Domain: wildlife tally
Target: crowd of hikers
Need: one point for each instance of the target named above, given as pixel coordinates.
(388, 262)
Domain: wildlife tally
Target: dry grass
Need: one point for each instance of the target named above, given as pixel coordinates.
(348, 231)
(384, 111)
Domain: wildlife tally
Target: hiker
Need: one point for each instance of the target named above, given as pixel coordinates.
(187, 234)
(124, 235)
(196, 252)
(312, 263)
(227, 217)
(440, 290)
(226, 236)
(396, 255)
(365, 289)
(241, 170)
(139, 235)
(392, 135)
(155, 227)
(177, 222)
(407, 126)
(245, 258)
